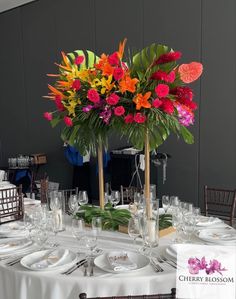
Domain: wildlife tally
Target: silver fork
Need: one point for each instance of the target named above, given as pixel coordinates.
(156, 266)
(161, 260)
(92, 266)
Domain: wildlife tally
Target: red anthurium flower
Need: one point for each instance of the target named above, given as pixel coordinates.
(93, 96)
(156, 103)
(79, 59)
(113, 59)
(47, 115)
(68, 121)
(118, 73)
(167, 106)
(76, 85)
(162, 90)
(119, 110)
(113, 99)
(139, 118)
(168, 57)
(129, 119)
(190, 72)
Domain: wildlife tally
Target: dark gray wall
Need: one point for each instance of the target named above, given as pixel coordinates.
(32, 37)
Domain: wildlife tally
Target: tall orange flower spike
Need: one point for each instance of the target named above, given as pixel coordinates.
(120, 52)
(142, 100)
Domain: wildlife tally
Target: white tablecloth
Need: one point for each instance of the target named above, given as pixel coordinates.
(17, 282)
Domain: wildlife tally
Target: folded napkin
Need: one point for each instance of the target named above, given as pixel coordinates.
(9, 246)
(119, 261)
(50, 259)
(205, 221)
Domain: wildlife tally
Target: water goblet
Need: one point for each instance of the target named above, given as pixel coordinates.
(115, 197)
(165, 202)
(73, 203)
(83, 197)
(78, 229)
(133, 229)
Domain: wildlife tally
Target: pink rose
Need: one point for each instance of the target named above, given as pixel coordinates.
(113, 59)
(171, 77)
(162, 90)
(139, 118)
(93, 96)
(47, 115)
(156, 103)
(113, 99)
(76, 84)
(118, 73)
(129, 119)
(119, 110)
(68, 121)
(79, 59)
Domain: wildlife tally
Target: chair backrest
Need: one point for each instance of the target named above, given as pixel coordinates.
(11, 204)
(46, 187)
(220, 202)
(157, 296)
(127, 194)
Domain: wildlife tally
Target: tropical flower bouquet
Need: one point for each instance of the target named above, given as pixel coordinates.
(143, 97)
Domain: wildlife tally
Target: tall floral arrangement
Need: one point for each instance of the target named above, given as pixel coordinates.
(144, 97)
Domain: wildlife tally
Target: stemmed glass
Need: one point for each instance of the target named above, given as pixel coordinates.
(115, 197)
(83, 197)
(150, 232)
(78, 229)
(133, 229)
(73, 203)
(165, 202)
(97, 227)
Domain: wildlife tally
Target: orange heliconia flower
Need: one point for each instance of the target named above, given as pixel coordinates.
(120, 52)
(142, 100)
(190, 72)
(56, 91)
(128, 84)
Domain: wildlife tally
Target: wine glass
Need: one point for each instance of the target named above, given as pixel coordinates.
(133, 229)
(73, 203)
(90, 240)
(83, 197)
(150, 232)
(55, 200)
(97, 225)
(165, 202)
(115, 197)
(78, 229)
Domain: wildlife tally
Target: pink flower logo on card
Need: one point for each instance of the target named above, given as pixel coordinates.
(195, 265)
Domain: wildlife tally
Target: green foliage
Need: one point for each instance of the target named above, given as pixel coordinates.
(165, 221)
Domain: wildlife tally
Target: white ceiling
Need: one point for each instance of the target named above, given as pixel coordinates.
(9, 4)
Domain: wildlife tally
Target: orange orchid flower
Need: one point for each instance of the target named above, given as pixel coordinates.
(142, 100)
(120, 52)
(101, 62)
(128, 84)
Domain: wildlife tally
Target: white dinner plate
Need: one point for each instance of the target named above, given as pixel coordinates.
(222, 236)
(126, 207)
(8, 246)
(14, 229)
(68, 261)
(172, 251)
(140, 260)
(203, 221)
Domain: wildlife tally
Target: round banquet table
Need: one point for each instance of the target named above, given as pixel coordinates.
(16, 282)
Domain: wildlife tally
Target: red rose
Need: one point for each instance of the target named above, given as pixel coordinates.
(167, 106)
(162, 90)
(119, 110)
(93, 96)
(160, 75)
(183, 93)
(113, 99)
(168, 57)
(129, 119)
(47, 115)
(76, 84)
(139, 118)
(156, 103)
(68, 121)
(118, 73)
(113, 59)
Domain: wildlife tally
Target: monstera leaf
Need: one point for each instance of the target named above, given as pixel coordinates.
(89, 61)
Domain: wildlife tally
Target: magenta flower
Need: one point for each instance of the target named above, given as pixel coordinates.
(59, 104)
(113, 59)
(119, 110)
(76, 85)
(185, 115)
(214, 266)
(106, 115)
(93, 96)
(47, 115)
(171, 77)
(118, 73)
(156, 103)
(139, 118)
(79, 59)
(68, 121)
(87, 108)
(129, 119)
(162, 90)
(194, 265)
(113, 99)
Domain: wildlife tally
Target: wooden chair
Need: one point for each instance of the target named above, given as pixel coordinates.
(66, 194)
(157, 296)
(11, 204)
(220, 203)
(127, 194)
(46, 187)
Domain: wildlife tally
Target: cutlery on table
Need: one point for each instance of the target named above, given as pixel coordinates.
(156, 266)
(74, 267)
(91, 267)
(86, 268)
(164, 260)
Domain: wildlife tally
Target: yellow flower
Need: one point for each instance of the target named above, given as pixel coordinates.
(106, 84)
(95, 83)
(72, 103)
